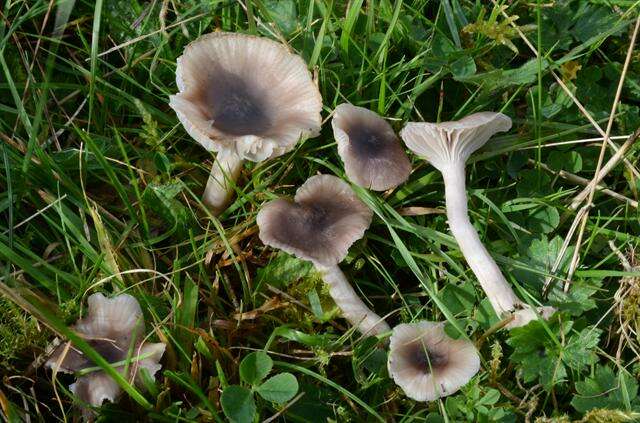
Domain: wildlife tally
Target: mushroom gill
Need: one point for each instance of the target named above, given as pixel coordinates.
(447, 146)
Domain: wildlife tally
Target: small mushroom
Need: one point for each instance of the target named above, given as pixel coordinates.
(447, 146)
(320, 225)
(245, 98)
(371, 152)
(114, 328)
(427, 364)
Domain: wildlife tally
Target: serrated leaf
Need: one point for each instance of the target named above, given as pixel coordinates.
(578, 352)
(546, 359)
(577, 300)
(255, 367)
(541, 255)
(605, 389)
(238, 404)
(279, 388)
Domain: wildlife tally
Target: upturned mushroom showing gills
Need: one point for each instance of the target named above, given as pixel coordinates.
(427, 364)
(245, 98)
(114, 328)
(371, 152)
(447, 146)
(319, 226)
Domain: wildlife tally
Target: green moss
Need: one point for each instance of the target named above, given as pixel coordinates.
(19, 332)
(601, 415)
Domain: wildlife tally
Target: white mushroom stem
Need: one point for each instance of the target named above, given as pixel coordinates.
(503, 300)
(224, 173)
(353, 308)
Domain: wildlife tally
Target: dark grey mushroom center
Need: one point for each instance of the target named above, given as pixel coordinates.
(309, 226)
(109, 350)
(235, 106)
(314, 216)
(367, 141)
(305, 225)
(425, 359)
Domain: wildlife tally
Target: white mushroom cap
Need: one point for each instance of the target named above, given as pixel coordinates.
(112, 326)
(372, 155)
(427, 364)
(453, 142)
(324, 220)
(245, 94)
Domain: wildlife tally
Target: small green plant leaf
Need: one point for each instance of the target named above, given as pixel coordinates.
(279, 388)
(463, 67)
(458, 298)
(255, 367)
(570, 161)
(283, 270)
(543, 220)
(605, 390)
(284, 13)
(238, 404)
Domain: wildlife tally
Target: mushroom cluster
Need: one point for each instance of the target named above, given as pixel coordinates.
(249, 98)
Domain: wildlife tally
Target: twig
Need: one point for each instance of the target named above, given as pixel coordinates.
(571, 177)
(142, 37)
(592, 187)
(283, 409)
(566, 89)
(611, 163)
(563, 250)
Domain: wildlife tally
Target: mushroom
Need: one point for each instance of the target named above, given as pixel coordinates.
(114, 328)
(427, 364)
(447, 146)
(324, 220)
(371, 152)
(245, 98)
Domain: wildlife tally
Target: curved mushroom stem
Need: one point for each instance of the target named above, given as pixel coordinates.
(353, 308)
(224, 172)
(503, 300)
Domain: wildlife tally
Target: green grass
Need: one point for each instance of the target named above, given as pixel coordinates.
(101, 192)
